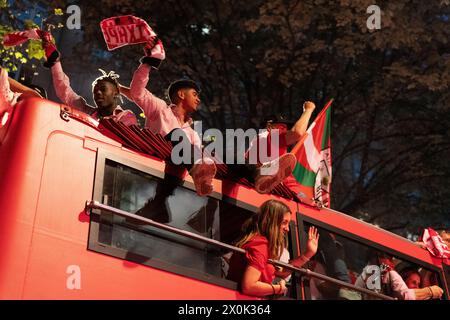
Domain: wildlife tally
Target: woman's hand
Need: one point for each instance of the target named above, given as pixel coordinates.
(283, 288)
(313, 242)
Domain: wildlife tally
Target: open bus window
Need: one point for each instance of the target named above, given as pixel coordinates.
(361, 265)
(164, 201)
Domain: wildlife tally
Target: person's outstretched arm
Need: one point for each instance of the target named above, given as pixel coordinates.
(5, 92)
(431, 292)
(311, 249)
(61, 82)
(64, 91)
(402, 291)
(150, 104)
(252, 286)
(20, 88)
(300, 127)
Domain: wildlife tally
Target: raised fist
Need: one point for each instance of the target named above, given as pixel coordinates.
(51, 53)
(308, 105)
(154, 53)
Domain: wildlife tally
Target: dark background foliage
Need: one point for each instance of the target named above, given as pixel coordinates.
(390, 122)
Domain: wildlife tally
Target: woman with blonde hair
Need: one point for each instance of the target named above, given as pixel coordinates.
(264, 238)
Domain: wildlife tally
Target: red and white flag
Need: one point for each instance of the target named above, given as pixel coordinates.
(19, 37)
(313, 152)
(435, 244)
(125, 30)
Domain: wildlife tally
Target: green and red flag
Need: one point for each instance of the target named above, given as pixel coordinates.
(313, 152)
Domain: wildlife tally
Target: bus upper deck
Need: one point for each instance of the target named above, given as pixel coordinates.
(54, 159)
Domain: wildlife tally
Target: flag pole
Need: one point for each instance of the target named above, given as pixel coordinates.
(325, 108)
(299, 143)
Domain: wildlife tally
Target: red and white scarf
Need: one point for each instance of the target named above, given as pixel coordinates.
(125, 30)
(435, 244)
(19, 37)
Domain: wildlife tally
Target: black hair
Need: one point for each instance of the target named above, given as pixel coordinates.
(406, 272)
(181, 84)
(273, 118)
(373, 255)
(39, 90)
(110, 77)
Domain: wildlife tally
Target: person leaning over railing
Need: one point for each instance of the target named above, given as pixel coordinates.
(263, 239)
(175, 119)
(106, 89)
(11, 91)
(392, 283)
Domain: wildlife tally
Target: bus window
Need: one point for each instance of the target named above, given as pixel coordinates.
(164, 201)
(446, 268)
(363, 265)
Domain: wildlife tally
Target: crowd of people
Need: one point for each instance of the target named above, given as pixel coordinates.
(175, 118)
(264, 235)
(393, 284)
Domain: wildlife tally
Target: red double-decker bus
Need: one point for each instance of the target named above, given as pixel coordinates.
(92, 211)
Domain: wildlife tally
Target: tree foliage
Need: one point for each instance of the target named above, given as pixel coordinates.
(20, 16)
(391, 128)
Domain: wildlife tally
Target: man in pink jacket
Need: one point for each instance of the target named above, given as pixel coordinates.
(106, 89)
(169, 119)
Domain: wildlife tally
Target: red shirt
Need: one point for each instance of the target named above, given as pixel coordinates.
(263, 143)
(257, 253)
(265, 138)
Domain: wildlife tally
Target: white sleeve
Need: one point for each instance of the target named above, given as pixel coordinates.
(400, 288)
(151, 105)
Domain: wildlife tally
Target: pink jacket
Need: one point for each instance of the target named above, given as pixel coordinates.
(7, 97)
(61, 83)
(160, 118)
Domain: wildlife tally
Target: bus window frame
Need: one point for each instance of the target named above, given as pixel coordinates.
(94, 228)
(446, 275)
(301, 219)
(295, 253)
